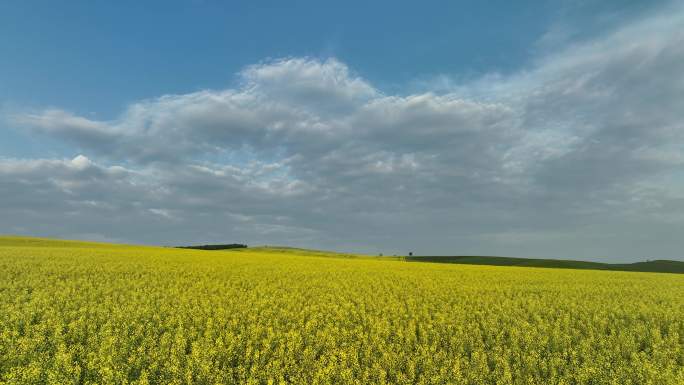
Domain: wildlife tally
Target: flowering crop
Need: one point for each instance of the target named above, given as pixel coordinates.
(77, 313)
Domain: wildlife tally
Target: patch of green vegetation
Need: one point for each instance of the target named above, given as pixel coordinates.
(658, 266)
(226, 246)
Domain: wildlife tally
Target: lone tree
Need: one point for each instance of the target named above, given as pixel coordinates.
(410, 253)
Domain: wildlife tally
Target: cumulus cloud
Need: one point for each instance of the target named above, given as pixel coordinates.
(558, 160)
(63, 197)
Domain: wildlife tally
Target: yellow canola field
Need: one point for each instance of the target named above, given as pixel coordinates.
(80, 313)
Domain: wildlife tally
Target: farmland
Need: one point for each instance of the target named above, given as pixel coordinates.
(88, 313)
(657, 266)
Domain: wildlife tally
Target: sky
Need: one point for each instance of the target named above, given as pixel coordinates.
(532, 129)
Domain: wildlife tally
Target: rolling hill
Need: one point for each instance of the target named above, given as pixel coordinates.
(656, 266)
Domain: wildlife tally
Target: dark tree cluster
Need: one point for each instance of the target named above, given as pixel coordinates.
(215, 247)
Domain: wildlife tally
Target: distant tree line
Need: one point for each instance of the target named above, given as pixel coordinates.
(215, 247)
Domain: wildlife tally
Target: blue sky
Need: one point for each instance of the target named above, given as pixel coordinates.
(69, 54)
(326, 100)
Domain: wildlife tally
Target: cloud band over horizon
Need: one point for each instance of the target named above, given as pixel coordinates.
(581, 155)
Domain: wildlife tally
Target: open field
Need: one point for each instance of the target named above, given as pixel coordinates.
(89, 313)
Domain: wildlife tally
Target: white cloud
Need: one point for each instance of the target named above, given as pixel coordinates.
(304, 151)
